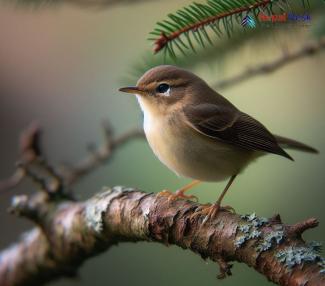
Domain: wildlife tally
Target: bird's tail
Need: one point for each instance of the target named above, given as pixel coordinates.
(287, 143)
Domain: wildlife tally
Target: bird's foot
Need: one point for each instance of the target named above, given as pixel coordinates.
(179, 194)
(210, 212)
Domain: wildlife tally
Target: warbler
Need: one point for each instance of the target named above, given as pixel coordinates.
(199, 134)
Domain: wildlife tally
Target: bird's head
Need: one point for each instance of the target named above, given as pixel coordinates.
(164, 88)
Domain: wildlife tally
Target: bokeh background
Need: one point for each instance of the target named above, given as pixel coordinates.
(62, 65)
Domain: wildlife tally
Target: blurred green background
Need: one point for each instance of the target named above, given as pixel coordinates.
(62, 66)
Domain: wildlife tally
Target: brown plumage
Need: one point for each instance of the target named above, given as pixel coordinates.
(198, 133)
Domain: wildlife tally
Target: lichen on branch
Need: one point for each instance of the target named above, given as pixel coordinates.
(70, 232)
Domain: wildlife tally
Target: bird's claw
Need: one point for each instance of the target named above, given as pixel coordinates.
(211, 211)
(179, 194)
(164, 193)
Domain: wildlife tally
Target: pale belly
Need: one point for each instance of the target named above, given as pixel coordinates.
(190, 154)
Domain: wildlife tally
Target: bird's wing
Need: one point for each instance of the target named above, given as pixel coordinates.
(233, 127)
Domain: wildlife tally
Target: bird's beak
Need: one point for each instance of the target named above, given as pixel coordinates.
(133, 90)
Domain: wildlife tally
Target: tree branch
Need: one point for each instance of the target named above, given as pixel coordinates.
(196, 17)
(71, 232)
(306, 50)
(98, 156)
(31, 156)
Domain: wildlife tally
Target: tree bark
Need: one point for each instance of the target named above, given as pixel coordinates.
(70, 232)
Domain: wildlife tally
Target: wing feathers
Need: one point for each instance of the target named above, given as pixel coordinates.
(233, 127)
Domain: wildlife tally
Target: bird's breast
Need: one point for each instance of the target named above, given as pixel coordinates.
(190, 154)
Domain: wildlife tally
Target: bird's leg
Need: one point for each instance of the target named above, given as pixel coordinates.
(218, 202)
(180, 192)
(212, 210)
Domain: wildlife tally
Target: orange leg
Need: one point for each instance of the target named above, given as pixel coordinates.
(180, 193)
(212, 210)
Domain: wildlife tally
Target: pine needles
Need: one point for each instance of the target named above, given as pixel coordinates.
(189, 25)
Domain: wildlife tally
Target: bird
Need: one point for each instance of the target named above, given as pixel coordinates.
(199, 134)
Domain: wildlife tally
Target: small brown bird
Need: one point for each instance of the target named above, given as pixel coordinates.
(199, 134)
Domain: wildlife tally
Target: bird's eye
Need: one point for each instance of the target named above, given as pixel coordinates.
(163, 88)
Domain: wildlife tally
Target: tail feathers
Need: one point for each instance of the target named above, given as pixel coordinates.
(283, 153)
(295, 145)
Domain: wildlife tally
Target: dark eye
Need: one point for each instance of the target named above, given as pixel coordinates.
(162, 88)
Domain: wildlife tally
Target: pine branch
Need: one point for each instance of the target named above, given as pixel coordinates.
(190, 24)
(71, 232)
(216, 56)
(208, 56)
(306, 50)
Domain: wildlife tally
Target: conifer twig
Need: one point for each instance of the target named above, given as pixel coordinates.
(189, 24)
